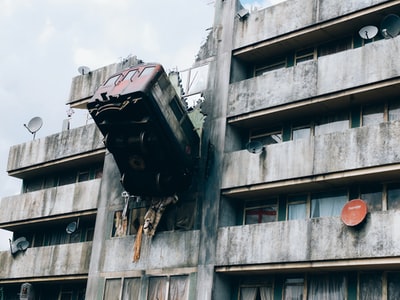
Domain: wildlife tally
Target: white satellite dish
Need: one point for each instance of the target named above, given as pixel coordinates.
(83, 70)
(255, 147)
(368, 32)
(34, 125)
(390, 26)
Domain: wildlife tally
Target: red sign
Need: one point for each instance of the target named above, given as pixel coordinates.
(354, 212)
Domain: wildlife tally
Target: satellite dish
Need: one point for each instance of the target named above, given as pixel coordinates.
(368, 32)
(390, 26)
(72, 227)
(34, 125)
(83, 70)
(20, 244)
(255, 147)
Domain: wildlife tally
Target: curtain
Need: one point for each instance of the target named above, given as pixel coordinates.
(327, 205)
(178, 288)
(326, 288)
(293, 292)
(131, 288)
(371, 286)
(158, 288)
(297, 211)
(266, 293)
(248, 293)
(113, 287)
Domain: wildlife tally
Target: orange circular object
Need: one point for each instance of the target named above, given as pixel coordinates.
(354, 212)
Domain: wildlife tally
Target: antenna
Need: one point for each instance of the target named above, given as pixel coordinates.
(34, 125)
(83, 70)
(255, 147)
(368, 32)
(390, 26)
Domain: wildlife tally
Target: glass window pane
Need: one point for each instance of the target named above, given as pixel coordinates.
(261, 211)
(179, 288)
(248, 293)
(330, 287)
(372, 195)
(131, 288)
(301, 133)
(372, 114)
(393, 194)
(394, 111)
(333, 123)
(371, 285)
(112, 290)
(158, 288)
(393, 286)
(293, 289)
(297, 207)
(327, 204)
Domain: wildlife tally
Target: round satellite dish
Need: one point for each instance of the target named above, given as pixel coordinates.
(390, 26)
(83, 70)
(255, 147)
(354, 212)
(71, 227)
(34, 124)
(368, 32)
(23, 245)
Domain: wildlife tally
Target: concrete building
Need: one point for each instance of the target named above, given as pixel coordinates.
(302, 116)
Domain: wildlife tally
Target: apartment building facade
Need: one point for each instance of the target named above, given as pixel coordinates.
(302, 115)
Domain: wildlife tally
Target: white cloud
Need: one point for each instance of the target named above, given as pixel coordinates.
(47, 32)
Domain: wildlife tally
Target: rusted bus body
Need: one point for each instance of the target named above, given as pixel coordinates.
(147, 129)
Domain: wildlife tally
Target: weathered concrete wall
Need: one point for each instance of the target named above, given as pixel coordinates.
(84, 86)
(55, 147)
(179, 249)
(328, 74)
(68, 259)
(335, 152)
(49, 202)
(292, 15)
(310, 240)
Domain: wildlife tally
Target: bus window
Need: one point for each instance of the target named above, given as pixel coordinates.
(112, 81)
(147, 71)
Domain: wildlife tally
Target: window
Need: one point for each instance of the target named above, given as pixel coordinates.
(393, 196)
(372, 114)
(332, 123)
(394, 111)
(131, 289)
(112, 289)
(304, 55)
(301, 132)
(335, 46)
(253, 290)
(297, 207)
(147, 71)
(370, 285)
(293, 289)
(273, 64)
(372, 195)
(261, 211)
(171, 288)
(327, 204)
(266, 137)
(330, 286)
(393, 282)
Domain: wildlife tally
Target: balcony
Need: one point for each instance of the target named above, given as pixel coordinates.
(324, 159)
(365, 73)
(174, 249)
(315, 22)
(60, 260)
(70, 198)
(63, 149)
(310, 241)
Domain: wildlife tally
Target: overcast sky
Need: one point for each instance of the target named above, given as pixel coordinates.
(43, 42)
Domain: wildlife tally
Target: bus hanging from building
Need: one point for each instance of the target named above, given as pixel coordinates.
(147, 129)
